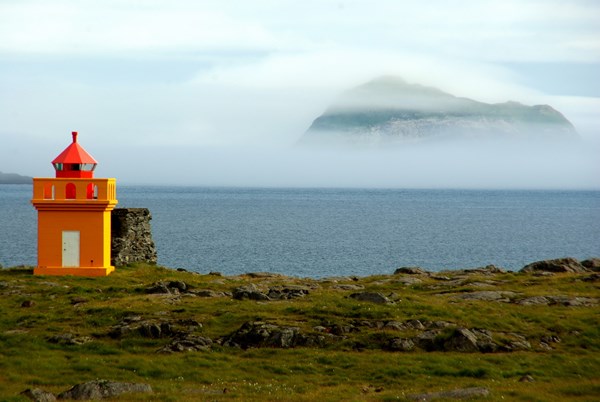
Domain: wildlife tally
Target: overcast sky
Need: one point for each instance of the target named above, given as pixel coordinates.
(217, 93)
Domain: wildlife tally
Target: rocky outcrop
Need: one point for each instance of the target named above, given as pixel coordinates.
(284, 292)
(132, 237)
(558, 265)
(103, 389)
(593, 264)
(262, 334)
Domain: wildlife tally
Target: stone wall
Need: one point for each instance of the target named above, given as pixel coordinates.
(131, 236)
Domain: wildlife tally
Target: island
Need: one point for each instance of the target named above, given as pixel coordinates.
(388, 110)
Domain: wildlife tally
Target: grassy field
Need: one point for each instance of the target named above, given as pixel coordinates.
(55, 332)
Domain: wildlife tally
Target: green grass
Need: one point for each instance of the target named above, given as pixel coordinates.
(354, 368)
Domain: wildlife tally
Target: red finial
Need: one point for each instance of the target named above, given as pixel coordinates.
(74, 134)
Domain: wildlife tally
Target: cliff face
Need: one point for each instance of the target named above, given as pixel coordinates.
(390, 110)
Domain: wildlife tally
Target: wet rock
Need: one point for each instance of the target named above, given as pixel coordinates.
(39, 395)
(101, 389)
(557, 265)
(411, 271)
(187, 343)
(371, 297)
(250, 292)
(464, 393)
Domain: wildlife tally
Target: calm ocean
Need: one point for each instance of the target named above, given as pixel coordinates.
(330, 232)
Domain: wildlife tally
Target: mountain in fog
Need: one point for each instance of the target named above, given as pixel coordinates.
(390, 110)
(13, 178)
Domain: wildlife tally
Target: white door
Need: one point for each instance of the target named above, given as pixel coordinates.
(70, 248)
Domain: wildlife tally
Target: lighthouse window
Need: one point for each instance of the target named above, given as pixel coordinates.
(49, 192)
(58, 166)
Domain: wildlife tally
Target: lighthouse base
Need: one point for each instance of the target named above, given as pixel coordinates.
(75, 271)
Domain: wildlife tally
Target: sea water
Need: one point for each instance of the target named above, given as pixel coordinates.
(331, 232)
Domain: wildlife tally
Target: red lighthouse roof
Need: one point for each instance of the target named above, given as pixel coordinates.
(74, 161)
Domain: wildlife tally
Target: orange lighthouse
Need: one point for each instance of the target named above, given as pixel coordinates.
(74, 211)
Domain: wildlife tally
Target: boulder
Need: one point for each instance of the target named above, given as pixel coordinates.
(411, 271)
(372, 297)
(39, 395)
(570, 265)
(401, 344)
(168, 287)
(461, 340)
(249, 291)
(187, 343)
(287, 292)
(100, 389)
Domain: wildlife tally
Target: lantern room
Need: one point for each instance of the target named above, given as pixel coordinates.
(74, 161)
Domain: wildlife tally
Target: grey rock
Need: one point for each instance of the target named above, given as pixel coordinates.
(401, 345)
(101, 389)
(207, 293)
(411, 271)
(527, 378)
(489, 295)
(569, 301)
(593, 264)
(250, 292)
(168, 287)
(262, 334)
(372, 297)
(464, 393)
(557, 265)
(188, 343)
(534, 300)
(39, 395)
(461, 340)
(131, 236)
(69, 339)
(287, 292)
